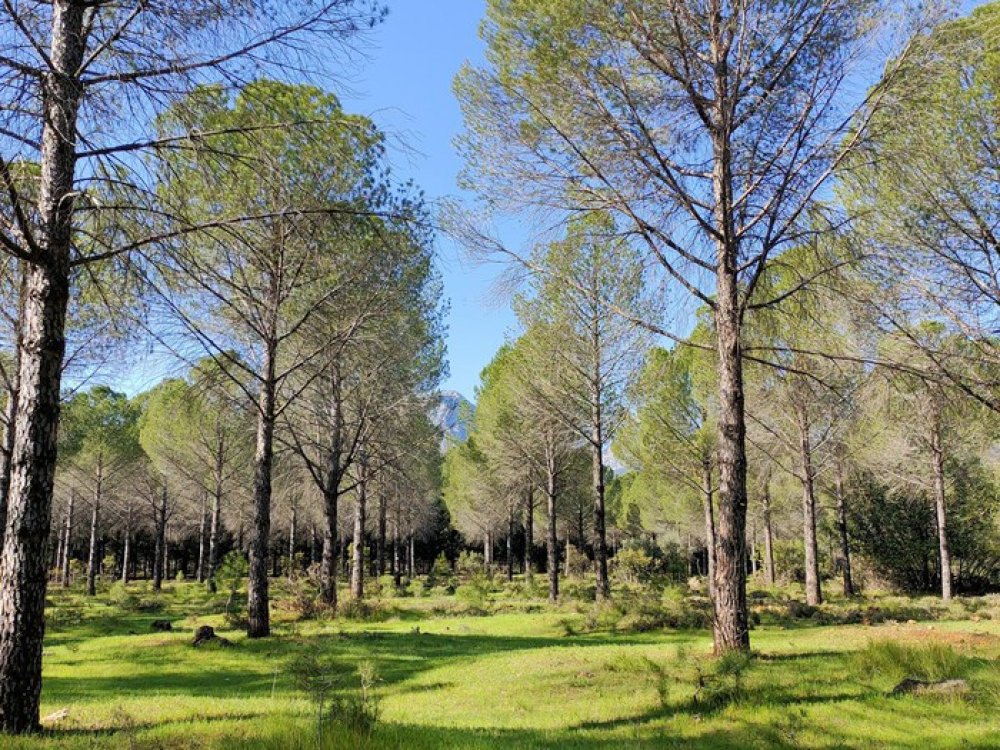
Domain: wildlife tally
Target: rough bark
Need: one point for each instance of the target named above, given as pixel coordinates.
(23, 578)
(814, 594)
(731, 630)
(603, 584)
(258, 606)
(411, 557)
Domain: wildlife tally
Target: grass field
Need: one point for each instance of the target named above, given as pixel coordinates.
(526, 675)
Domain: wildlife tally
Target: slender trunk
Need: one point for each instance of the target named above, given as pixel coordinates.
(603, 584)
(95, 520)
(214, 528)
(553, 541)
(768, 537)
(258, 606)
(380, 540)
(529, 533)
(358, 568)
(331, 495)
(814, 594)
(202, 542)
(159, 557)
(510, 542)
(845, 546)
(708, 507)
(68, 533)
(313, 547)
(126, 550)
(937, 468)
(397, 571)
(292, 524)
(411, 557)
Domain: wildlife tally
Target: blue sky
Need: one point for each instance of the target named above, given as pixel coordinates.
(405, 86)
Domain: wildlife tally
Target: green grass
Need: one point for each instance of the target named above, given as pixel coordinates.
(511, 679)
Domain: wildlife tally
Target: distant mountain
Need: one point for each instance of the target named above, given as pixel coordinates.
(451, 415)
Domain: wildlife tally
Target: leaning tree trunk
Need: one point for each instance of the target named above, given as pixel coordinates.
(768, 537)
(23, 578)
(937, 469)
(708, 508)
(95, 521)
(845, 545)
(814, 594)
(68, 534)
(358, 567)
(731, 630)
(258, 606)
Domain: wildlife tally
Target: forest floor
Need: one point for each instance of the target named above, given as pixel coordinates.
(443, 674)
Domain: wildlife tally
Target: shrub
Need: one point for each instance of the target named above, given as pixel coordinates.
(468, 563)
(351, 704)
(634, 565)
(475, 594)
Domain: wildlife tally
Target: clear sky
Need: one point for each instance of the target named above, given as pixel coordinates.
(405, 86)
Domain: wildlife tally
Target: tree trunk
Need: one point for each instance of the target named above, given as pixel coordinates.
(160, 555)
(768, 537)
(68, 533)
(937, 468)
(292, 524)
(845, 546)
(23, 577)
(95, 520)
(708, 508)
(380, 540)
(202, 527)
(814, 594)
(552, 550)
(214, 529)
(10, 409)
(529, 533)
(411, 557)
(258, 606)
(510, 543)
(126, 550)
(603, 585)
(397, 571)
(358, 568)
(731, 631)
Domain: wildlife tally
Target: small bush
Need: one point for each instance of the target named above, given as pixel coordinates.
(475, 594)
